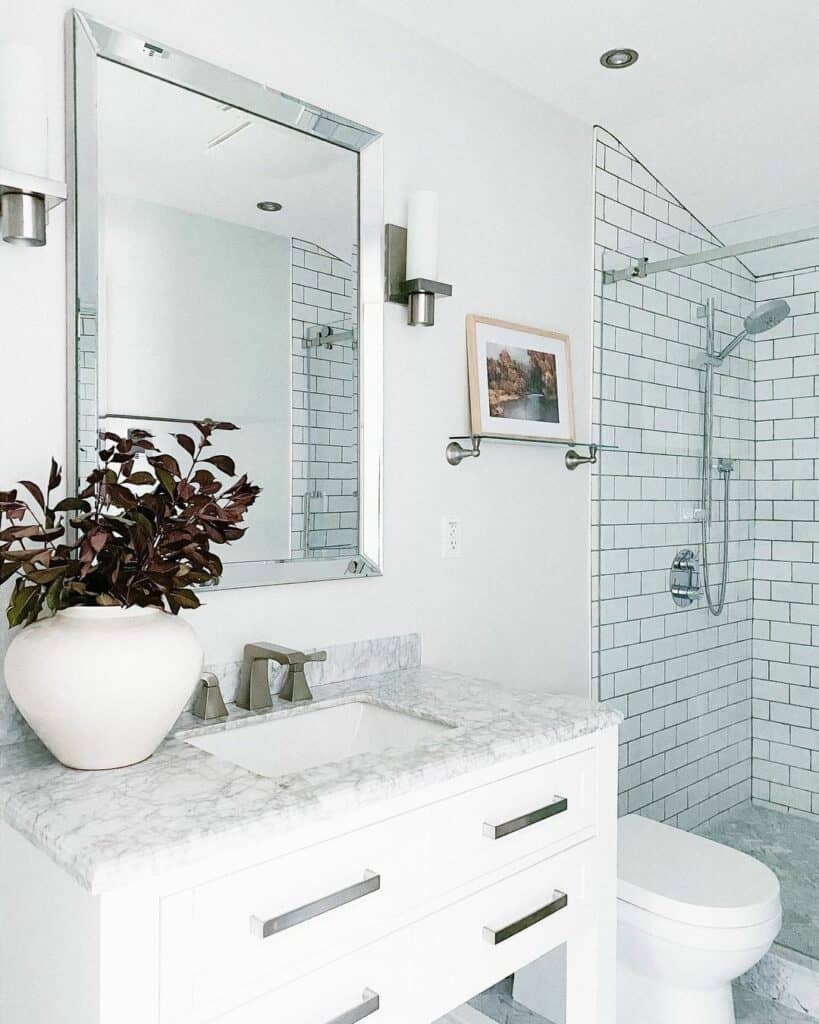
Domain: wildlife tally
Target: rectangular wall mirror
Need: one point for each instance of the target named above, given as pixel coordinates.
(226, 244)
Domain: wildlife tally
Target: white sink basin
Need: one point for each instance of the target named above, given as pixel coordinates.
(291, 743)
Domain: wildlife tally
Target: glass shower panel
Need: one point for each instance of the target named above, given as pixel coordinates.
(680, 674)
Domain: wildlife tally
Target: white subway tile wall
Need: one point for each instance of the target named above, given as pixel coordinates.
(785, 724)
(87, 424)
(681, 677)
(324, 515)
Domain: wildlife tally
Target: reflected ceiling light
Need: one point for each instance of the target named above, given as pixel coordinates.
(222, 137)
(622, 57)
(269, 206)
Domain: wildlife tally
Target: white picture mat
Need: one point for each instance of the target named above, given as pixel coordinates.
(511, 338)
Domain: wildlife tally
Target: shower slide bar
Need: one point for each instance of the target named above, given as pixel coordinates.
(642, 268)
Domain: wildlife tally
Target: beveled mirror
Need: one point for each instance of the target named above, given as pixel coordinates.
(225, 246)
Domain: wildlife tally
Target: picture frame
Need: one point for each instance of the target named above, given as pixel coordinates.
(520, 381)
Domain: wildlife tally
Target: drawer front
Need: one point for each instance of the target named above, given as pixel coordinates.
(270, 923)
(424, 970)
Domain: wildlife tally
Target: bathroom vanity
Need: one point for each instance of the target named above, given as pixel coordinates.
(383, 853)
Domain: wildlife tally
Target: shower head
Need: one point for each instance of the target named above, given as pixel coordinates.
(763, 318)
(767, 316)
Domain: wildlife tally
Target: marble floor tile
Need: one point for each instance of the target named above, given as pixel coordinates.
(789, 845)
(751, 1008)
(498, 1005)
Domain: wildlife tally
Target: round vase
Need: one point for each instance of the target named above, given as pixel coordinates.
(102, 686)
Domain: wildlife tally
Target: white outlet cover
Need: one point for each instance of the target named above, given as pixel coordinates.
(451, 537)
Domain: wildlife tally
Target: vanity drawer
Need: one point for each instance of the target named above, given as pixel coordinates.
(400, 980)
(270, 923)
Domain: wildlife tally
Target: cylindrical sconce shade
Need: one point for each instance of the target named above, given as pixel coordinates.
(23, 110)
(23, 219)
(422, 235)
(421, 309)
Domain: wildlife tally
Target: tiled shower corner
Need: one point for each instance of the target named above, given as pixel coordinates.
(721, 709)
(681, 678)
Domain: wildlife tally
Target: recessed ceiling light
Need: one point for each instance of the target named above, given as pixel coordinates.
(269, 206)
(622, 57)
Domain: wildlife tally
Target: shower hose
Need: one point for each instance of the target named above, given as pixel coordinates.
(716, 609)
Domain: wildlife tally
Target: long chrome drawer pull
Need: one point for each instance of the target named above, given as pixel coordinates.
(370, 1005)
(273, 925)
(558, 805)
(558, 902)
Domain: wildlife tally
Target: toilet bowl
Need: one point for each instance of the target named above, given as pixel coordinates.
(692, 915)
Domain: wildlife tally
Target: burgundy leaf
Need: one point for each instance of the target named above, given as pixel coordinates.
(186, 442)
(166, 462)
(224, 463)
(35, 492)
(72, 505)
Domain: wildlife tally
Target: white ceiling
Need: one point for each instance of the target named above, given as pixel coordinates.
(723, 104)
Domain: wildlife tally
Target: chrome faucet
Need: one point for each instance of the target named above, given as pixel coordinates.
(254, 688)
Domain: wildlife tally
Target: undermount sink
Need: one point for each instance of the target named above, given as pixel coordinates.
(292, 743)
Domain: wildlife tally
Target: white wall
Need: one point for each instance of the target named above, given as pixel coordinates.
(514, 179)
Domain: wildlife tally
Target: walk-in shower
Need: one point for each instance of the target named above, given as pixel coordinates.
(763, 318)
(719, 710)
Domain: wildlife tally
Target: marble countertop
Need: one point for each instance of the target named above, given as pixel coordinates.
(109, 829)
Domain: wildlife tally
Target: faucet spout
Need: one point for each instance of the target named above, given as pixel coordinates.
(254, 689)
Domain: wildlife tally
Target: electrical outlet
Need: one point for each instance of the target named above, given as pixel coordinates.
(451, 537)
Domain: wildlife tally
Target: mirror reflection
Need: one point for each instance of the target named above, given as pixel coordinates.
(227, 287)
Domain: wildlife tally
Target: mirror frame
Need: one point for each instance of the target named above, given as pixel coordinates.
(89, 40)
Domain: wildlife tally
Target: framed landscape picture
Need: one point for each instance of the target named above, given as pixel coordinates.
(520, 381)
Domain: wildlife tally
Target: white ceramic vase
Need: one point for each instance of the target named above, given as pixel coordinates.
(101, 687)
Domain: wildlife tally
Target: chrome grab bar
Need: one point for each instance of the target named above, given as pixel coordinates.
(371, 1002)
(558, 805)
(558, 901)
(273, 925)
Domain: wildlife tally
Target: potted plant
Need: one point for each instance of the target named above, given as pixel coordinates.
(102, 678)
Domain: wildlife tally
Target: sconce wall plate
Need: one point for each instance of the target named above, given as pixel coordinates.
(419, 293)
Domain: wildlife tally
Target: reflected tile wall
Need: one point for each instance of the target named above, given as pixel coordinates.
(325, 406)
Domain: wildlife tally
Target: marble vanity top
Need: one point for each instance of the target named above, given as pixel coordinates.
(108, 829)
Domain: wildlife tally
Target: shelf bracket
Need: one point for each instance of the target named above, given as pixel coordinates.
(456, 453)
(573, 459)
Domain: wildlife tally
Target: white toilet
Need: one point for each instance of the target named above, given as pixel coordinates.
(692, 915)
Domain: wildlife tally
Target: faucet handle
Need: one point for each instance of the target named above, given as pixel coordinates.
(295, 686)
(209, 703)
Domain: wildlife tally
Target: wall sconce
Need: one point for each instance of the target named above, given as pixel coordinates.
(411, 261)
(26, 195)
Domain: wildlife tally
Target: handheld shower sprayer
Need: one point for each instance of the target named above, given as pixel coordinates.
(763, 318)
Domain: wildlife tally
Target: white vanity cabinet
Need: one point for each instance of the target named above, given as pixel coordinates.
(393, 914)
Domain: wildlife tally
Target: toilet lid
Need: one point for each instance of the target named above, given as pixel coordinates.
(690, 879)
